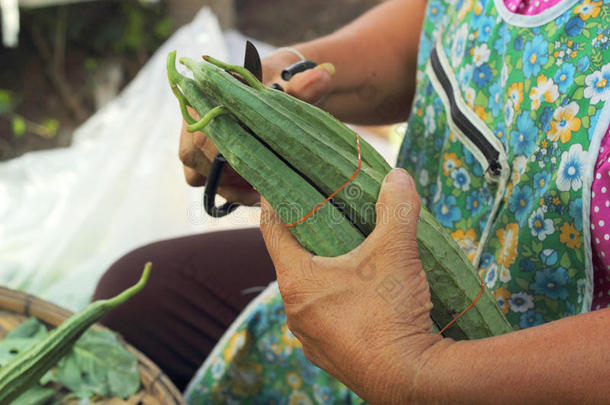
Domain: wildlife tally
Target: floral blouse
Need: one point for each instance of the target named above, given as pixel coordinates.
(600, 196)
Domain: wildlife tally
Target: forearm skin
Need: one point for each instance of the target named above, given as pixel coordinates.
(566, 361)
(375, 58)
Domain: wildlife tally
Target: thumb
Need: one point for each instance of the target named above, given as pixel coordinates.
(311, 85)
(397, 209)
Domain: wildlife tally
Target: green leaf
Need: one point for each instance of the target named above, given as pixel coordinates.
(51, 126)
(481, 99)
(579, 93)
(21, 338)
(48, 377)
(591, 110)
(461, 224)
(135, 32)
(6, 101)
(29, 329)
(99, 365)
(523, 283)
(565, 261)
(10, 348)
(519, 64)
(585, 122)
(550, 63)
(525, 33)
(91, 64)
(552, 304)
(572, 271)
(163, 29)
(417, 126)
(565, 197)
(597, 57)
(580, 80)
(537, 247)
(18, 125)
(586, 33)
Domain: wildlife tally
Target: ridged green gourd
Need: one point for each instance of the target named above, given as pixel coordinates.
(296, 155)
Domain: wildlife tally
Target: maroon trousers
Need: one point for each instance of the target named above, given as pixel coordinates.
(198, 285)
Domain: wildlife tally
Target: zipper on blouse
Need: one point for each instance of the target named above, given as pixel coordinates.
(473, 133)
(464, 124)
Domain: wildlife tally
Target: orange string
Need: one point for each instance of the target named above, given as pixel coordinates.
(310, 213)
(335, 193)
(467, 308)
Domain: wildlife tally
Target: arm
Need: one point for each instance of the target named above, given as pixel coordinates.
(375, 58)
(565, 361)
(348, 329)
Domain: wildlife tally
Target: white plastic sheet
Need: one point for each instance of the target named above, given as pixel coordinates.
(67, 214)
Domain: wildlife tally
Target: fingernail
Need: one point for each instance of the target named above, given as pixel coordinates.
(399, 175)
(329, 67)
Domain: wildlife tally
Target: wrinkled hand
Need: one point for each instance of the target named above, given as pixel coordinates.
(364, 317)
(197, 151)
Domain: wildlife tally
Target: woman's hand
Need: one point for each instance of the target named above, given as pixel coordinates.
(364, 317)
(197, 151)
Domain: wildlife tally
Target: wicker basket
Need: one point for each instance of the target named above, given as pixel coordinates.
(16, 307)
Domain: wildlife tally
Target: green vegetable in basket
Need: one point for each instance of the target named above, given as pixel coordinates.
(26, 369)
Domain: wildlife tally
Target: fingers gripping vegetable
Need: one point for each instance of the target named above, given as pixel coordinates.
(327, 233)
(296, 155)
(27, 368)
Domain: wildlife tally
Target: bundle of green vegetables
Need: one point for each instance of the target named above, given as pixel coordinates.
(297, 155)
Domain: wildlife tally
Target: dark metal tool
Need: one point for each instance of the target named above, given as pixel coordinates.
(211, 187)
(252, 62)
(297, 68)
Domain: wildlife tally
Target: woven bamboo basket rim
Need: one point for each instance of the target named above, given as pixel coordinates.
(16, 306)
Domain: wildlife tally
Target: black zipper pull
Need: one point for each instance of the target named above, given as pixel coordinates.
(494, 171)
